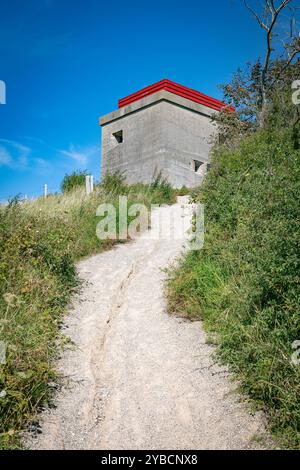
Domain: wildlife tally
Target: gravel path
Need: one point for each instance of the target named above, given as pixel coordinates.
(138, 378)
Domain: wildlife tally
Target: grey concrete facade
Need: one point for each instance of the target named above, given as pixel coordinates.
(161, 132)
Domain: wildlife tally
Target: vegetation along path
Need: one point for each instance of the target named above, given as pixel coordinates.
(137, 377)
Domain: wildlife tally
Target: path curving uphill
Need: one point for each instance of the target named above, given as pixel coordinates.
(139, 378)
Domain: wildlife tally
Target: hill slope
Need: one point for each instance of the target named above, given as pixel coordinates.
(244, 284)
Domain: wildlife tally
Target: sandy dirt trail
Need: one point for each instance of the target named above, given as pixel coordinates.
(138, 378)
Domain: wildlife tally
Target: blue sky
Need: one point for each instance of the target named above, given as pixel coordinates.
(67, 63)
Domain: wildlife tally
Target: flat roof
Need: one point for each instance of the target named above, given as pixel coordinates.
(177, 89)
(152, 100)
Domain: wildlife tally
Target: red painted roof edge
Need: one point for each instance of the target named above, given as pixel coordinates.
(177, 89)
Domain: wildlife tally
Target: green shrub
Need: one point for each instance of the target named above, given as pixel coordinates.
(73, 181)
(114, 183)
(244, 284)
(162, 187)
(183, 191)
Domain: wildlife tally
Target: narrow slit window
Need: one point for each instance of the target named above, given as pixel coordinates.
(118, 136)
(197, 165)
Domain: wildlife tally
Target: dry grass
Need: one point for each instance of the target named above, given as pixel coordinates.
(39, 243)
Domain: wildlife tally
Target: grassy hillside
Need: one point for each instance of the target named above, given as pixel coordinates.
(244, 284)
(39, 244)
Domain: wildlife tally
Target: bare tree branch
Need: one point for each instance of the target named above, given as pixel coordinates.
(268, 20)
(256, 16)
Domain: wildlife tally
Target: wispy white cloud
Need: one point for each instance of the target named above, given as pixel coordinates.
(13, 154)
(36, 140)
(82, 155)
(20, 157)
(5, 158)
(42, 166)
(41, 161)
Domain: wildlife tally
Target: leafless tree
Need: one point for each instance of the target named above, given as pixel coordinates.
(267, 16)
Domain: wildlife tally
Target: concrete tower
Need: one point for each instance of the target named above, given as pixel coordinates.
(164, 127)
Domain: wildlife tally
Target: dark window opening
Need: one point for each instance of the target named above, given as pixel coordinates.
(197, 165)
(118, 136)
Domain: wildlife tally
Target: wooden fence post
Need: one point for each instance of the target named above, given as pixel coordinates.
(88, 184)
(92, 183)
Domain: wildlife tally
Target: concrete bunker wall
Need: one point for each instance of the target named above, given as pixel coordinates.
(161, 136)
(138, 154)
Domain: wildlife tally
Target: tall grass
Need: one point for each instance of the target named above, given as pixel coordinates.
(244, 284)
(40, 242)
